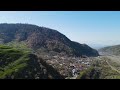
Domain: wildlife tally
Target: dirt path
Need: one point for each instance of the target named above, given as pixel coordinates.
(113, 68)
(114, 59)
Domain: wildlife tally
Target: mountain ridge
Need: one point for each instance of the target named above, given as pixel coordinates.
(110, 50)
(37, 37)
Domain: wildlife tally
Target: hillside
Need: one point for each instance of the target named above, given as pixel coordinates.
(42, 39)
(21, 64)
(110, 50)
(103, 67)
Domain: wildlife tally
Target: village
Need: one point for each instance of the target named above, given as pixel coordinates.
(68, 66)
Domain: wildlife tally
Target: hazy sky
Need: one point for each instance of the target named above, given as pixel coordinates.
(97, 27)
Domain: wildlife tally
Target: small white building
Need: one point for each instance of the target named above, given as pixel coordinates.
(74, 72)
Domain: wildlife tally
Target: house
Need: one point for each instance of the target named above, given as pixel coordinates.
(74, 72)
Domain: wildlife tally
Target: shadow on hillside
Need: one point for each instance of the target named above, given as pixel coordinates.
(51, 71)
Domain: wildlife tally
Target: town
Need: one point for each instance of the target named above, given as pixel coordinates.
(68, 66)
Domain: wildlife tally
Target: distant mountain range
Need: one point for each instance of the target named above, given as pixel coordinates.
(97, 46)
(110, 50)
(43, 39)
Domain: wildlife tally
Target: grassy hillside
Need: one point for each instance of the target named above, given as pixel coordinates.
(21, 64)
(102, 68)
(12, 61)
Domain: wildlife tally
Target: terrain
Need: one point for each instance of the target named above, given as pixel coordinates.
(33, 52)
(102, 68)
(43, 39)
(110, 50)
(21, 64)
(105, 66)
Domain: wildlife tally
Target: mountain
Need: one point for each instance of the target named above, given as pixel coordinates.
(42, 39)
(110, 50)
(97, 46)
(21, 64)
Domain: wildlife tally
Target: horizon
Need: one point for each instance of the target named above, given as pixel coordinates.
(95, 28)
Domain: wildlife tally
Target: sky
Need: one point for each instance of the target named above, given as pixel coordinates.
(90, 27)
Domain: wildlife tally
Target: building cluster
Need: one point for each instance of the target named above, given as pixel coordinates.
(68, 66)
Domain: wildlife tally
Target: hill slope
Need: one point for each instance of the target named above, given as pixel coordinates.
(111, 50)
(103, 67)
(43, 39)
(20, 64)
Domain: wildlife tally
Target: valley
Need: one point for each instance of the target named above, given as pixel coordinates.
(31, 52)
(59, 45)
(55, 56)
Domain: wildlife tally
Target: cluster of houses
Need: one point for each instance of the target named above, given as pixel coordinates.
(66, 65)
